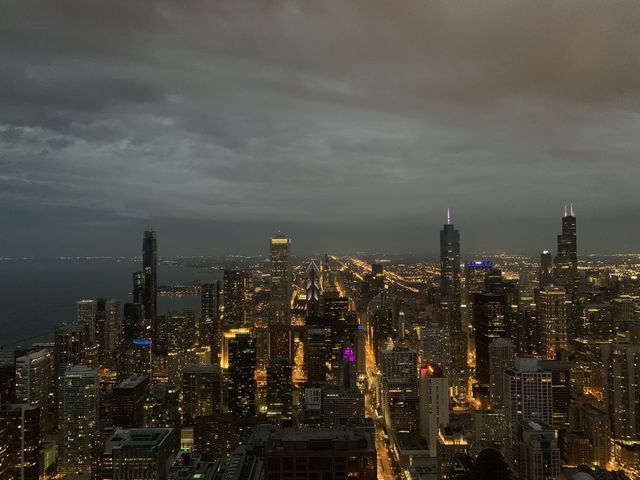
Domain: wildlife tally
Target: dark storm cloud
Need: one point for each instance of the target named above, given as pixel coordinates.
(332, 119)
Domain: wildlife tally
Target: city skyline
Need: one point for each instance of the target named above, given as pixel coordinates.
(215, 118)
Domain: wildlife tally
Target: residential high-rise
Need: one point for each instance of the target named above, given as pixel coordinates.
(449, 260)
(241, 387)
(527, 396)
(621, 362)
(140, 453)
(202, 392)
(280, 389)
(150, 290)
(490, 323)
(33, 380)
(180, 342)
(552, 316)
(69, 343)
(129, 397)
(22, 427)
(80, 410)
(434, 404)
(501, 357)
(475, 273)
(234, 286)
(280, 256)
(5, 452)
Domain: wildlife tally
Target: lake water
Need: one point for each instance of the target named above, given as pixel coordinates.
(37, 295)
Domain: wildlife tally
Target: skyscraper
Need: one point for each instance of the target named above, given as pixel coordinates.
(449, 261)
(86, 315)
(234, 284)
(566, 261)
(434, 404)
(280, 389)
(80, 410)
(241, 387)
(621, 362)
(128, 402)
(69, 343)
(545, 274)
(33, 380)
(501, 357)
(280, 256)
(150, 290)
(108, 329)
(552, 316)
(489, 323)
(399, 366)
(313, 289)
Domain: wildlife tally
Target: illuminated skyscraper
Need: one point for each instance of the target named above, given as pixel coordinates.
(234, 285)
(150, 270)
(449, 261)
(69, 343)
(280, 389)
(399, 366)
(552, 316)
(280, 256)
(33, 379)
(80, 410)
(241, 387)
(108, 329)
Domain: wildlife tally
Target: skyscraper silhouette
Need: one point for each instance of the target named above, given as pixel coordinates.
(150, 269)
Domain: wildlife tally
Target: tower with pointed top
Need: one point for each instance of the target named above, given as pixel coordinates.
(280, 255)
(566, 261)
(449, 260)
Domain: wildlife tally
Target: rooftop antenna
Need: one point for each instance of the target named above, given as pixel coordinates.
(572, 214)
(448, 216)
(565, 209)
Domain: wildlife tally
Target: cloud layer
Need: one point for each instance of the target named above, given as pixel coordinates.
(352, 125)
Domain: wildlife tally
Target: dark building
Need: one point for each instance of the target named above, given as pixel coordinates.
(22, 423)
(128, 402)
(449, 261)
(133, 324)
(241, 387)
(220, 434)
(489, 324)
(138, 287)
(545, 274)
(566, 261)
(150, 290)
(329, 454)
(234, 284)
(7, 383)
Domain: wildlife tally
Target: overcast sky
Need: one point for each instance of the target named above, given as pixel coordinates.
(350, 125)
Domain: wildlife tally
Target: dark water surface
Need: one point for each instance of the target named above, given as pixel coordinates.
(37, 294)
